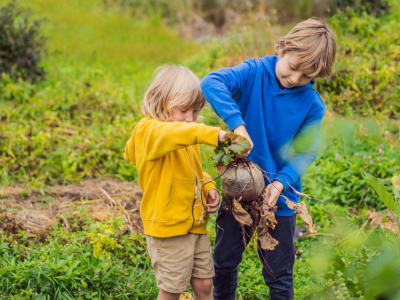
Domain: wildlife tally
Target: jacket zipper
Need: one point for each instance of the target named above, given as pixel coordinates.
(194, 200)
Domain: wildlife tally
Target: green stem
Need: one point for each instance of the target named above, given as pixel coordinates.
(396, 219)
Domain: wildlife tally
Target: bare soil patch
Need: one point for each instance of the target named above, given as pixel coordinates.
(37, 212)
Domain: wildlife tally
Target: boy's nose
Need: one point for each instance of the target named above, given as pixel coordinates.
(296, 78)
(190, 118)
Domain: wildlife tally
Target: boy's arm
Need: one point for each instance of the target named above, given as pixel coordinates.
(161, 138)
(305, 146)
(210, 192)
(208, 184)
(221, 85)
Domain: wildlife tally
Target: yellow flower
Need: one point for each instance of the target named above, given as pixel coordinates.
(396, 181)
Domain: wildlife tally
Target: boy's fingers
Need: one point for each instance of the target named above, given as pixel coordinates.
(214, 203)
(266, 196)
(212, 210)
(273, 199)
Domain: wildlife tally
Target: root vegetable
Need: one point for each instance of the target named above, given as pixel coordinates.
(242, 179)
(242, 191)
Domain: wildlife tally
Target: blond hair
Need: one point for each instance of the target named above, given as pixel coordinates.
(315, 44)
(172, 86)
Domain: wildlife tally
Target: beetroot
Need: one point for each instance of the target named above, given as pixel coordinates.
(243, 190)
(242, 179)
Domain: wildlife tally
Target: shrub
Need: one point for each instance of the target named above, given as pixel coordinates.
(22, 47)
(365, 81)
(375, 7)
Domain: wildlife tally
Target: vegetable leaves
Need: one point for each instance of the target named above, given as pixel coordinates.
(231, 145)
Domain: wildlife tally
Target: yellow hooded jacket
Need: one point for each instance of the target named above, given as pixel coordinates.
(167, 157)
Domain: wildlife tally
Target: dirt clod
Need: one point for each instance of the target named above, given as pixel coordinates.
(35, 212)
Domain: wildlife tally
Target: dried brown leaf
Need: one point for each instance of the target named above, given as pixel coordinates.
(242, 216)
(267, 219)
(379, 219)
(267, 242)
(301, 209)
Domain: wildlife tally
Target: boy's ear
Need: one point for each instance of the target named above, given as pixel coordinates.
(279, 50)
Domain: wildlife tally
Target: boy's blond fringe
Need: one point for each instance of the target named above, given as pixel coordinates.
(315, 44)
(172, 86)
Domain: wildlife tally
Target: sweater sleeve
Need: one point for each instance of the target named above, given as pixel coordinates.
(208, 184)
(161, 138)
(222, 86)
(305, 146)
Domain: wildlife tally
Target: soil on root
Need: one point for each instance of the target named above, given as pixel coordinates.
(252, 207)
(37, 212)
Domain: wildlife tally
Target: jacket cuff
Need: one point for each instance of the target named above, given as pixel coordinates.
(285, 179)
(208, 185)
(234, 121)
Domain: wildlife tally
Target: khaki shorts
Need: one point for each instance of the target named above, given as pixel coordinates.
(176, 259)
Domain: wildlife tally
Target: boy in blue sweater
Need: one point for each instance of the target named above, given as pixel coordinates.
(271, 101)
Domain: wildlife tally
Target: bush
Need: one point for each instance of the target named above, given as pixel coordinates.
(375, 7)
(21, 45)
(365, 81)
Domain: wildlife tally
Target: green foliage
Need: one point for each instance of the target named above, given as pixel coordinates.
(365, 80)
(75, 122)
(64, 265)
(381, 190)
(391, 200)
(375, 7)
(350, 148)
(101, 236)
(22, 47)
(231, 145)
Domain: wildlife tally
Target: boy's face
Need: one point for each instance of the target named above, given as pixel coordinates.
(183, 114)
(287, 74)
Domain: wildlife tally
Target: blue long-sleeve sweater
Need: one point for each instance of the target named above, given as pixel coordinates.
(283, 125)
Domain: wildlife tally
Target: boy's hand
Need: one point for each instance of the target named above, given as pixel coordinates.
(243, 132)
(213, 201)
(221, 135)
(271, 194)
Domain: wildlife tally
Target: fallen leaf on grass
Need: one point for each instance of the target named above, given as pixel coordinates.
(396, 181)
(384, 219)
(186, 296)
(242, 216)
(301, 210)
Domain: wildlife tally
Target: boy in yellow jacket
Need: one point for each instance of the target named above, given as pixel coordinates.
(165, 147)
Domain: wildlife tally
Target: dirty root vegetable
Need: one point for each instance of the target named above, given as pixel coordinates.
(242, 178)
(242, 191)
